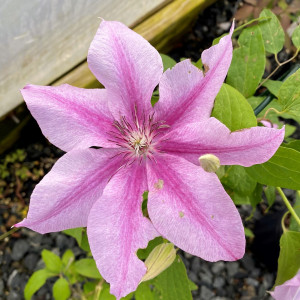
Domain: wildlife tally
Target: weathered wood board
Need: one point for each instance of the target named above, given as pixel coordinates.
(40, 40)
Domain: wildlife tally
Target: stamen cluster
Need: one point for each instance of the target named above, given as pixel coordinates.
(138, 139)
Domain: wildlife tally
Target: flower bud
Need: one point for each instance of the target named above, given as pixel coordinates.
(160, 258)
(209, 162)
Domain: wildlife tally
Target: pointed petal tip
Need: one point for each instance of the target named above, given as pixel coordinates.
(232, 27)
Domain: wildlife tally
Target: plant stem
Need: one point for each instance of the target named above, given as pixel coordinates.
(6, 234)
(288, 205)
(279, 64)
(270, 97)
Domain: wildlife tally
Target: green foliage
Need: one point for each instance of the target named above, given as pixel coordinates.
(68, 258)
(237, 179)
(173, 283)
(289, 258)
(273, 86)
(144, 292)
(75, 233)
(272, 32)
(105, 295)
(232, 109)
(294, 226)
(81, 237)
(15, 157)
(248, 233)
(143, 253)
(61, 289)
(289, 94)
(168, 62)
(87, 267)
(52, 261)
(270, 192)
(296, 37)
(36, 281)
(283, 169)
(248, 62)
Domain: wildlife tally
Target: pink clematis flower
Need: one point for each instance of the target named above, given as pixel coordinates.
(142, 148)
(290, 290)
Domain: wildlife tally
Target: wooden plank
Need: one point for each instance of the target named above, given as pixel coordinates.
(42, 40)
(161, 29)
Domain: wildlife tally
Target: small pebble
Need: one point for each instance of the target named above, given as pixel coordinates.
(1, 287)
(13, 295)
(193, 277)
(31, 261)
(206, 293)
(268, 280)
(20, 248)
(218, 267)
(252, 281)
(219, 282)
(248, 262)
(232, 268)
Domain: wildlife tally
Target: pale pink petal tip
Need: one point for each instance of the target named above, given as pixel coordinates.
(290, 290)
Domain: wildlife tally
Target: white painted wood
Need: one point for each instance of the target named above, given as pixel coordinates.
(42, 39)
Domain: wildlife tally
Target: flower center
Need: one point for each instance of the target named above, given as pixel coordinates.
(137, 139)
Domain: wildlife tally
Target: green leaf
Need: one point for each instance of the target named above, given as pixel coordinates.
(296, 37)
(294, 226)
(61, 289)
(232, 109)
(52, 261)
(273, 86)
(289, 130)
(199, 64)
(283, 169)
(105, 294)
(217, 40)
(248, 233)
(143, 253)
(248, 62)
(289, 257)
(89, 286)
(239, 199)
(289, 94)
(270, 192)
(256, 196)
(238, 180)
(193, 286)
(168, 62)
(68, 258)
(75, 233)
(144, 292)
(173, 283)
(293, 145)
(272, 32)
(36, 281)
(85, 242)
(87, 267)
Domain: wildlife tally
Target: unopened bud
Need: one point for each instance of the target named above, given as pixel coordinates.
(209, 162)
(160, 258)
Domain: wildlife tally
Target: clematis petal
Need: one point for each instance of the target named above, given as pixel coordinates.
(71, 117)
(245, 147)
(117, 229)
(191, 209)
(187, 94)
(290, 290)
(125, 63)
(64, 197)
